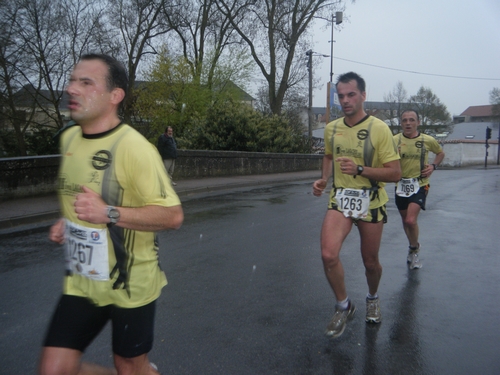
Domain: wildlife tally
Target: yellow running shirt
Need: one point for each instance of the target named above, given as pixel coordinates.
(368, 143)
(127, 171)
(414, 153)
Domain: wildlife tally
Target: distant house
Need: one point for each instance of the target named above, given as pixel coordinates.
(471, 132)
(38, 102)
(239, 93)
(38, 106)
(476, 113)
(381, 110)
(229, 86)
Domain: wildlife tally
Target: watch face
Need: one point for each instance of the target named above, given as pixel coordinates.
(114, 214)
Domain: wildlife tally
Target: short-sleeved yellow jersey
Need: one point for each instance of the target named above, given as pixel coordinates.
(127, 171)
(368, 143)
(414, 153)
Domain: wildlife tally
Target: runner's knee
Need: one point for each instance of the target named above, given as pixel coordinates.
(330, 258)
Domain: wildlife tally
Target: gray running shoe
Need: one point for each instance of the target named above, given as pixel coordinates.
(413, 260)
(373, 314)
(337, 325)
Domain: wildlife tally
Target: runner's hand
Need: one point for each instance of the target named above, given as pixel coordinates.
(347, 166)
(427, 171)
(318, 187)
(56, 233)
(90, 207)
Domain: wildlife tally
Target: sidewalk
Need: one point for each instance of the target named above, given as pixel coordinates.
(16, 214)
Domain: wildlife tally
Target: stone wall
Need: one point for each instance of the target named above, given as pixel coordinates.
(28, 176)
(37, 175)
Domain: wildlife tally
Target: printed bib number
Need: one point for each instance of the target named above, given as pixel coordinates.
(353, 203)
(87, 251)
(407, 187)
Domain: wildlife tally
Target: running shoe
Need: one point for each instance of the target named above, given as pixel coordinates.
(337, 325)
(413, 260)
(373, 314)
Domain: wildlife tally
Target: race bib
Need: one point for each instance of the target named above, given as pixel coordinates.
(407, 187)
(87, 251)
(353, 203)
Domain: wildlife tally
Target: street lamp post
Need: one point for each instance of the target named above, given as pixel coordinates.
(310, 55)
(337, 18)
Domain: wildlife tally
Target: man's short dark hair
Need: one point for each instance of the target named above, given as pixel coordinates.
(351, 76)
(117, 77)
(410, 110)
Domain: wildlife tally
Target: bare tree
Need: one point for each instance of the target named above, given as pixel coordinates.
(46, 66)
(273, 30)
(85, 30)
(40, 42)
(495, 102)
(432, 111)
(139, 26)
(11, 60)
(397, 101)
(207, 40)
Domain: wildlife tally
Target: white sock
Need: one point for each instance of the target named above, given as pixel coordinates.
(343, 304)
(369, 296)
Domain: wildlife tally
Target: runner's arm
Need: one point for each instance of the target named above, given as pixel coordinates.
(90, 207)
(391, 172)
(429, 168)
(326, 172)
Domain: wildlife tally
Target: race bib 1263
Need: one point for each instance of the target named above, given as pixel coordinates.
(353, 202)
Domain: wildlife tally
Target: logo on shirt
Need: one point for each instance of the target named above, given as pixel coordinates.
(419, 144)
(94, 235)
(363, 134)
(102, 160)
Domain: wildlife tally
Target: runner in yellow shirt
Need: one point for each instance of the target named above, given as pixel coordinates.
(411, 191)
(114, 194)
(360, 155)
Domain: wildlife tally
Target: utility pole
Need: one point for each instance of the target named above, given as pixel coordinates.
(309, 108)
(337, 18)
(310, 54)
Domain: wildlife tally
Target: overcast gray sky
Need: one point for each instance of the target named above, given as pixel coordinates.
(385, 40)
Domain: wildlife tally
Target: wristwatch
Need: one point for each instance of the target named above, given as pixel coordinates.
(360, 169)
(113, 215)
(434, 166)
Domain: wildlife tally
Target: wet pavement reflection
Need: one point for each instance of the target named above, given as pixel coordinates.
(247, 293)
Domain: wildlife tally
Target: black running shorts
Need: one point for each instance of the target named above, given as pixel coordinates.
(419, 198)
(77, 321)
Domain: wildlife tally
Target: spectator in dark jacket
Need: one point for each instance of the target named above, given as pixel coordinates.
(168, 151)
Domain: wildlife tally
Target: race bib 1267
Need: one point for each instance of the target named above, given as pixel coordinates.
(87, 251)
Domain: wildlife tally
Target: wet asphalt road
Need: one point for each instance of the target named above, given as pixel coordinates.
(247, 294)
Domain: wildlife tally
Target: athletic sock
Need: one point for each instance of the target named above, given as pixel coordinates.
(344, 305)
(414, 248)
(369, 296)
